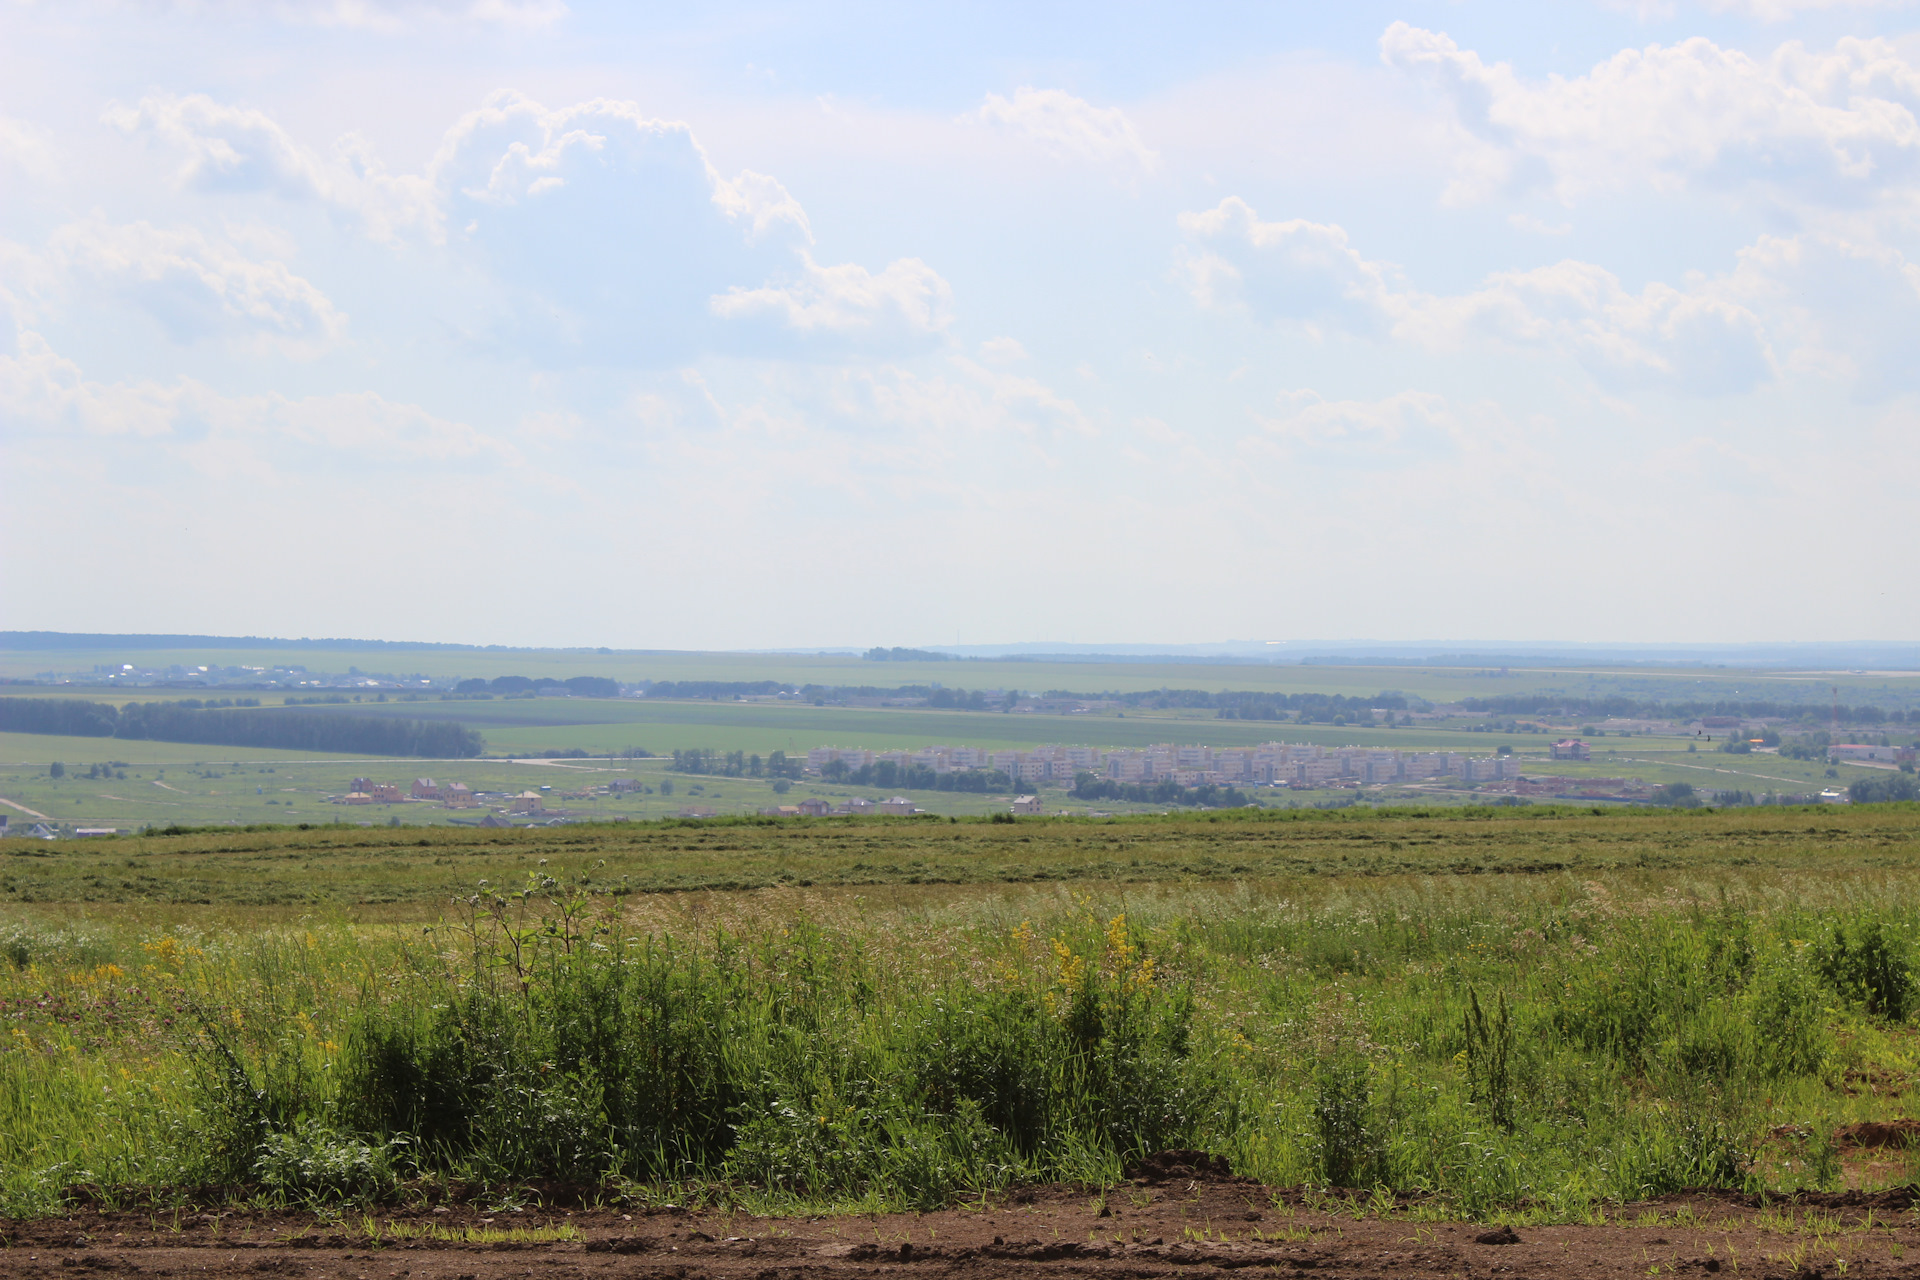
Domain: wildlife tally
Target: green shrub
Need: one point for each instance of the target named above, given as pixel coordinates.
(1867, 966)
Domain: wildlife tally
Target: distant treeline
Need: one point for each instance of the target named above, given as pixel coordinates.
(896, 654)
(289, 730)
(1088, 786)
(1544, 704)
(1891, 786)
(712, 688)
(576, 686)
(890, 776)
(735, 764)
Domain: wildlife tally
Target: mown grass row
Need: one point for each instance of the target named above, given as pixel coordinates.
(349, 866)
(1542, 1045)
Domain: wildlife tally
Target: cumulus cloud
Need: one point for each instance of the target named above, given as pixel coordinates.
(194, 286)
(1838, 308)
(1296, 269)
(1705, 339)
(1068, 126)
(1833, 127)
(612, 235)
(906, 303)
(44, 393)
(229, 149)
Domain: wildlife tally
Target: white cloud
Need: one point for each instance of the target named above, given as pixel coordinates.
(1002, 351)
(1296, 269)
(1703, 339)
(44, 393)
(228, 149)
(1838, 308)
(611, 235)
(1831, 128)
(907, 302)
(1069, 126)
(28, 149)
(194, 286)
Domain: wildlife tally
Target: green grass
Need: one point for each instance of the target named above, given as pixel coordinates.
(1439, 684)
(200, 786)
(1531, 1014)
(349, 867)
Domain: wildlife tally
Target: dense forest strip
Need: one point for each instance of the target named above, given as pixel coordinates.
(288, 729)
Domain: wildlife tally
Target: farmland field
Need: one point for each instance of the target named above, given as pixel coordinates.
(1533, 1016)
(185, 783)
(1438, 683)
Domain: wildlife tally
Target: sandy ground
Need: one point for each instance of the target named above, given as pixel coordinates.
(1176, 1221)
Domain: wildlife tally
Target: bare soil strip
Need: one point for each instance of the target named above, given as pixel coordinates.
(1187, 1223)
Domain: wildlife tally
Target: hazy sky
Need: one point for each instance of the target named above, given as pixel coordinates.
(524, 321)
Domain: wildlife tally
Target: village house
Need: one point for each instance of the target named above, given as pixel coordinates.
(458, 795)
(1867, 753)
(815, 807)
(1571, 749)
(1026, 804)
(425, 789)
(528, 802)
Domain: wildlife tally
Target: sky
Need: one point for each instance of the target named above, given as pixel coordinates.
(773, 324)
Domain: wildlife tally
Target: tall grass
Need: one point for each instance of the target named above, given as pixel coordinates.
(1549, 1045)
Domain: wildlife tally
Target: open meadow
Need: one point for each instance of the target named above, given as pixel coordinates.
(127, 783)
(1536, 1014)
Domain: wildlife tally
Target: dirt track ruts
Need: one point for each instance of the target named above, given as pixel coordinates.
(1179, 1226)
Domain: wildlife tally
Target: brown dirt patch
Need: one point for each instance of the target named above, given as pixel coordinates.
(1878, 1133)
(1189, 1223)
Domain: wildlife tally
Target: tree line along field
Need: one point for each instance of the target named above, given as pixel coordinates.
(166, 784)
(1533, 1014)
(1436, 683)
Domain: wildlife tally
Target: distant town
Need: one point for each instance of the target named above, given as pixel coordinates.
(1079, 770)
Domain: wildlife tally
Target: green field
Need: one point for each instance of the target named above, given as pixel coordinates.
(176, 783)
(1437, 684)
(170, 783)
(1529, 1015)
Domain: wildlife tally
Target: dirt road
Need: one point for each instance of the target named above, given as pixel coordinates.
(1176, 1222)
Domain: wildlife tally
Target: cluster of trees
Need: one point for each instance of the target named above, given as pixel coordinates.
(897, 654)
(735, 764)
(289, 729)
(1678, 795)
(892, 776)
(710, 688)
(1892, 786)
(573, 686)
(1090, 786)
(1545, 704)
(1741, 744)
(1305, 708)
